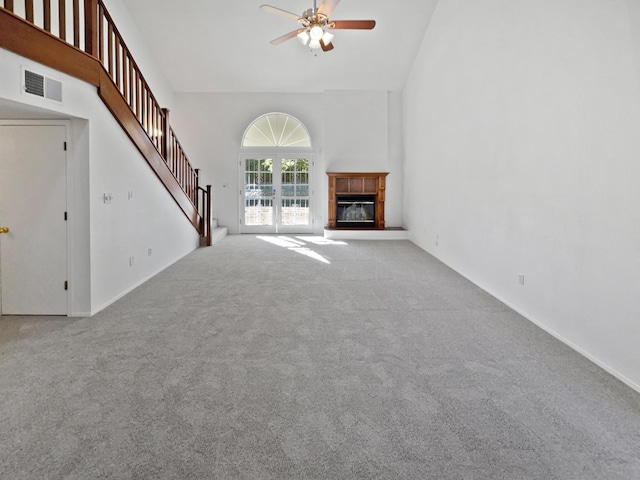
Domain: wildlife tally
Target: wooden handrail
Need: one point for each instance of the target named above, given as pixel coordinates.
(105, 61)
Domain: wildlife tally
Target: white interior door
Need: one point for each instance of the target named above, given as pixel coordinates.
(276, 196)
(33, 199)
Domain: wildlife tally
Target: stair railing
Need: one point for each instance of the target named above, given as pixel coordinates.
(205, 196)
(93, 31)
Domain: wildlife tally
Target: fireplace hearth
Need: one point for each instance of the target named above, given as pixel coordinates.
(356, 200)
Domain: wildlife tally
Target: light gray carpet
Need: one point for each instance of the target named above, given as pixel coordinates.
(254, 360)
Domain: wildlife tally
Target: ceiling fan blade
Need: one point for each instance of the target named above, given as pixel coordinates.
(326, 47)
(353, 24)
(327, 7)
(284, 38)
(279, 11)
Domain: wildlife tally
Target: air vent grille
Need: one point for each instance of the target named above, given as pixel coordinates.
(53, 89)
(41, 86)
(33, 83)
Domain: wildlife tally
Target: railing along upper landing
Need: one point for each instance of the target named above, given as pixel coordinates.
(87, 25)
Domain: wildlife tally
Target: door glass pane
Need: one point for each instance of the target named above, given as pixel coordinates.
(258, 191)
(295, 191)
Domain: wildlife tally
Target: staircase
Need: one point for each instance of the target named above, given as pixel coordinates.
(80, 39)
(217, 233)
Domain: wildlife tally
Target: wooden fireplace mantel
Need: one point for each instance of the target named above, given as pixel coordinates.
(357, 183)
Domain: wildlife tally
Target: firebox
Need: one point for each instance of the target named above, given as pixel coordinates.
(355, 211)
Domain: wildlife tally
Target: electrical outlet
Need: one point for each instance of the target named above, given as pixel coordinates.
(108, 198)
(521, 279)
(149, 252)
(130, 195)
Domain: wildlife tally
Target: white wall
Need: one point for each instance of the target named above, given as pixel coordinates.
(395, 165)
(634, 22)
(349, 132)
(102, 159)
(129, 227)
(356, 131)
(141, 52)
(79, 218)
(521, 126)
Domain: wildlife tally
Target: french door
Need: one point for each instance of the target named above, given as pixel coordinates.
(276, 196)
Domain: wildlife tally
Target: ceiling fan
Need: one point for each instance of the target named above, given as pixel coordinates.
(315, 25)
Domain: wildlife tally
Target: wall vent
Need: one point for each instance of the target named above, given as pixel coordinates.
(41, 86)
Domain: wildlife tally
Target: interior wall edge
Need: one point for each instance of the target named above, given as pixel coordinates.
(140, 282)
(539, 323)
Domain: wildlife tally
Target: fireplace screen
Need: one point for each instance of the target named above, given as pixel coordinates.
(356, 211)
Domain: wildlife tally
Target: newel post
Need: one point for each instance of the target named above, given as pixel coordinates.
(91, 27)
(208, 216)
(165, 135)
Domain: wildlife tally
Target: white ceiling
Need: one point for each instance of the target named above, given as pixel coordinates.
(223, 46)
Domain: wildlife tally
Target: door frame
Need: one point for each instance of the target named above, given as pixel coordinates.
(68, 174)
(277, 154)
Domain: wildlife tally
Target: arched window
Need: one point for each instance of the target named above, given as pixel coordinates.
(276, 130)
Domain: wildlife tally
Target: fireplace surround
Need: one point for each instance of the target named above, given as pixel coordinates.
(356, 200)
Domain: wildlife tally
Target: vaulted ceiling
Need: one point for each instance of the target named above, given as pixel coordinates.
(223, 46)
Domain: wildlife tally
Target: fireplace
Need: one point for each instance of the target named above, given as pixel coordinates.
(356, 200)
(355, 211)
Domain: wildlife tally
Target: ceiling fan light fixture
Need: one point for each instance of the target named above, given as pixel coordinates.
(316, 32)
(314, 25)
(303, 36)
(327, 37)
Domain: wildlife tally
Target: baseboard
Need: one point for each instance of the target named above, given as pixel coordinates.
(133, 287)
(122, 294)
(627, 381)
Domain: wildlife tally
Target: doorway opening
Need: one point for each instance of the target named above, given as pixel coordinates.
(276, 171)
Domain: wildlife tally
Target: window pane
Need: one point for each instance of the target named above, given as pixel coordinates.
(276, 130)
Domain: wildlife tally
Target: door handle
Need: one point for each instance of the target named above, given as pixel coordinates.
(4, 229)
